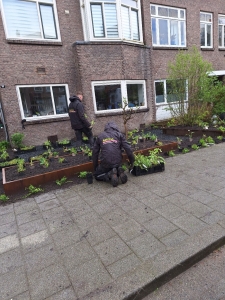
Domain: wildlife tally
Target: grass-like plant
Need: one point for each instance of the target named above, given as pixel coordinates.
(33, 190)
(62, 181)
(171, 153)
(195, 147)
(4, 198)
(83, 174)
(185, 150)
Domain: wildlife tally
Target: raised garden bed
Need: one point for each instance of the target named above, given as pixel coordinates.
(197, 132)
(14, 182)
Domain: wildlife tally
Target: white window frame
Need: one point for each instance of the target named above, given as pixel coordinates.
(180, 19)
(58, 39)
(206, 23)
(87, 21)
(123, 84)
(165, 93)
(53, 105)
(223, 29)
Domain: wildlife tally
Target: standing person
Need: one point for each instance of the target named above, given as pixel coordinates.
(109, 144)
(78, 120)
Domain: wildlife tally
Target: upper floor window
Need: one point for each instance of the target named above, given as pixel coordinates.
(168, 26)
(168, 91)
(114, 19)
(43, 101)
(30, 19)
(110, 95)
(206, 29)
(221, 20)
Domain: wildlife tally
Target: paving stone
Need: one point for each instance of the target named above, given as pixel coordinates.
(44, 197)
(25, 206)
(52, 203)
(77, 206)
(112, 250)
(60, 222)
(197, 209)
(127, 203)
(143, 214)
(31, 227)
(153, 201)
(40, 258)
(218, 206)
(47, 282)
(8, 229)
(99, 233)
(146, 246)
(67, 294)
(28, 216)
(69, 236)
(190, 224)
(8, 243)
(36, 240)
(54, 212)
(213, 217)
(10, 260)
(77, 254)
(170, 211)
(88, 277)
(94, 199)
(129, 230)
(115, 217)
(13, 283)
(160, 227)
(220, 192)
(140, 194)
(104, 207)
(7, 218)
(204, 197)
(174, 238)
(178, 199)
(86, 221)
(222, 223)
(23, 296)
(123, 265)
(6, 209)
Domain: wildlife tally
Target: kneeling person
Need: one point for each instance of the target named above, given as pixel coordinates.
(109, 145)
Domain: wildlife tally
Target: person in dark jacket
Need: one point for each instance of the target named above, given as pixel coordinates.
(78, 120)
(109, 145)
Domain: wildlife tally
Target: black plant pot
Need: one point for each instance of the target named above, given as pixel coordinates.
(89, 178)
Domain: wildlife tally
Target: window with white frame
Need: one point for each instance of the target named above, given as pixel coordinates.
(168, 26)
(221, 20)
(114, 19)
(30, 19)
(206, 29)
(110, 96)
(43, 101)
(168, 91)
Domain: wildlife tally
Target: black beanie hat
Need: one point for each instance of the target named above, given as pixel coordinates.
(73, 98)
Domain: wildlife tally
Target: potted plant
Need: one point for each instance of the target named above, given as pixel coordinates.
(87, 175)
(64, 142)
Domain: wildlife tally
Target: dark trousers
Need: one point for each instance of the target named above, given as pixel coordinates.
(101, 173)
(87, 132)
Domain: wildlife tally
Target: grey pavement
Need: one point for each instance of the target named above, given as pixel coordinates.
(99, 242)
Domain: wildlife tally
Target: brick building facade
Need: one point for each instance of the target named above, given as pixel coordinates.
(124, 56)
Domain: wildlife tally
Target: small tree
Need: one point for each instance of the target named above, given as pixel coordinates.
(127, 113)
(188, 75)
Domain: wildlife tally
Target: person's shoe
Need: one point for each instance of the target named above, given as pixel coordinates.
(114, 178)
(122, 175)
(103, 177)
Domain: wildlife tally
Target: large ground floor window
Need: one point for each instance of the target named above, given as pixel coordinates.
(43, 101)
(112, 95)
(168, 91)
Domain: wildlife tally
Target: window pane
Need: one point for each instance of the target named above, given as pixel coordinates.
(111, 20)
(221, 20)
(174, 33)
(154, 40)
(48, 21)
(223, 36)
(153, 10)
(59, 94)
(163, 11)
(208, 17)
(135, 94)
(202, 34)
(173, 13)
(220, 35)
(202, 17)
(97, 20)
(22, 19)
(208, 35)
(132, 3)
(163, 32)
(36, 101)
(159, 92)
(126, 23)
(108, 97)
(182, 33)
(182, 14)
(135, 27)
(176, 90)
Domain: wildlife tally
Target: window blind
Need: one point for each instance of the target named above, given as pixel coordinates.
(48, 21)
(111, 20)
(126, 23)
(97, 20)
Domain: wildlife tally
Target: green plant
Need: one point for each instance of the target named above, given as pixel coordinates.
(33, 190)
(153, 137)
(64, 142)
(159, 143)
(44, 162)
(4, 145)
(9, 163)
(209, 140)
(179, 140)
(61, 160)
(85, 138)
(3, 198)
(62, 181)
(73, 151)
(21, 165)
(171, 122)
(55, 154)
(222, 129)
(185, 150)
(124, 167)
(27, 147)
(4, 155)
(127, 114)
(17, 139)
(195, 147)
(47, 144)
(171, 153)
(190, 134)
(219, 137)
(83, 174)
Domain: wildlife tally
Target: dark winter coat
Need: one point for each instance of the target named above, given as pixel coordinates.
(76, 114)
(109, 143)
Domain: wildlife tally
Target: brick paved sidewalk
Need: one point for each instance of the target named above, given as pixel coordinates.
(98, 242)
